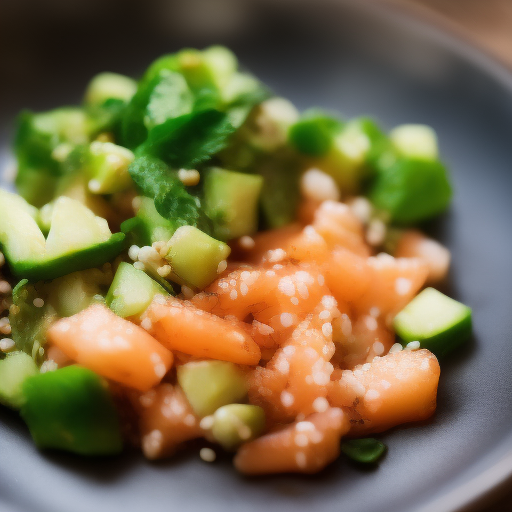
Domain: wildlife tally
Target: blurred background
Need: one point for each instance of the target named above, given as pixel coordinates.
(41, 41)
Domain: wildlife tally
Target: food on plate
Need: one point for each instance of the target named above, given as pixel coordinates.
(190, 261)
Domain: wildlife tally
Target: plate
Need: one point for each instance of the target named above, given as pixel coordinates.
(357, 59)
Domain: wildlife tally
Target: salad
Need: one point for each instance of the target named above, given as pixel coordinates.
(190, 261)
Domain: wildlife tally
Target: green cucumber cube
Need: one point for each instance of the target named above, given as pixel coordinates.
(231, 201)
(71, 409)
(438, 322)
(209, 385)
(195, 256)
(14, 369)
(235, 424)
(131, 291)
(415, 141)
(106, 86)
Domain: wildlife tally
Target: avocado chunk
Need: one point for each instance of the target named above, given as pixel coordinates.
(411, 189)
(209, 385)
(195, 256)
(14, 369)
(77, 239)
(71, 409)
(231, 201)
(131, 291)
(235, 424)
(439, 323)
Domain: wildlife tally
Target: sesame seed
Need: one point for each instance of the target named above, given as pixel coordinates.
(270, 273)
(375, 312)
(94, 186)
(425, 365)
(287, 399)
(397, 347)
(378, 348)
(320, 404)
(320, 279)
(38, 302)
(187, 292)
(223, 265)
(152, 444)
(276, 255)
(189, 420)
(372, 394)
(283, 366)
(5, 287)
(207, 422)
(289, 350)
(233, 294)
(403, 286)
(413, 345)
(207, 454)
(286, 319)
(263, 328)
(246, 242)
(319, 186)
(371, 323)
(321, 378)
(324, 315)
(146, 324)
(361, 208)
(277, 266)
(305, 426)
(301, 440)
(189, 177)
(385, 384)
(328, 301)
(244, 289)
(6, 344)
(327, 329)
(164, 270)
(286, 286)
(301, 460)
(49, 366)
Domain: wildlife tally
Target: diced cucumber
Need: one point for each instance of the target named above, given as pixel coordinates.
(14, 369)
(105, 86)
(74, 227)
(36, 185)
(415, 141)
(75, 292)
(412, 190)
(438, 322)
(209, 385)
(195, 256)
(222, 64)
(231, 201)
(71, 409)
(131, 291)
(77, 239)
(314, 133)
(235, 424)
(30, 317)
(107, 167)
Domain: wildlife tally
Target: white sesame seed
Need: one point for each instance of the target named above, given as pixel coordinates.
(319, 186)
(289, 350)
(294, 301)
(207, 422)
(223, 265)
(328, 301)
(283, 366)
(425, 365)
(361, 208)
(397, 347)
(413, 345)
(366, 367)
(301, 460)
(305, 426)
(371, 323)
(207, 454)
(321, 279)
(286, 319)
(327, 329)
(5, 287)
(49, 366)
(270, 273)
(321, 378)
(189, 177)
(189, 420)
(287, 398)
(146, 324)
(187, 292)
(38, 302)
(403, 286)
(244, 289)
(320, 404)
(276, 255)
(375, 312)
(301, 440)
(385, 384)
(246, 242)
(372, 394)
(233, 294)
(286, 286)
(324, 315)
(6, 344)
(378, 348)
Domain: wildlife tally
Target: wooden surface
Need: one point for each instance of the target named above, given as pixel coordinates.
(488, 23)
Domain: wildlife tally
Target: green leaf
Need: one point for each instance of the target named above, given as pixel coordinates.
(170, 98)
(172, 201)
(188, 140)
(367, 451)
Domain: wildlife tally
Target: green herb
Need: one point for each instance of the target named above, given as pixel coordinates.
(367, 451)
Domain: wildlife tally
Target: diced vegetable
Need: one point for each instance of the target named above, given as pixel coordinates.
(438, 322)
(209, 385)
(107, 86)
(195, 257)
(236, 424)
(412, 189)
(415, 141)
(131, 291)
(71, 409)
(367, 450)
(14, 370)
(231, 201)
(112, 347)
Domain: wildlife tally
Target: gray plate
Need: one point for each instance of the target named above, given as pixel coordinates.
(359, 61)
